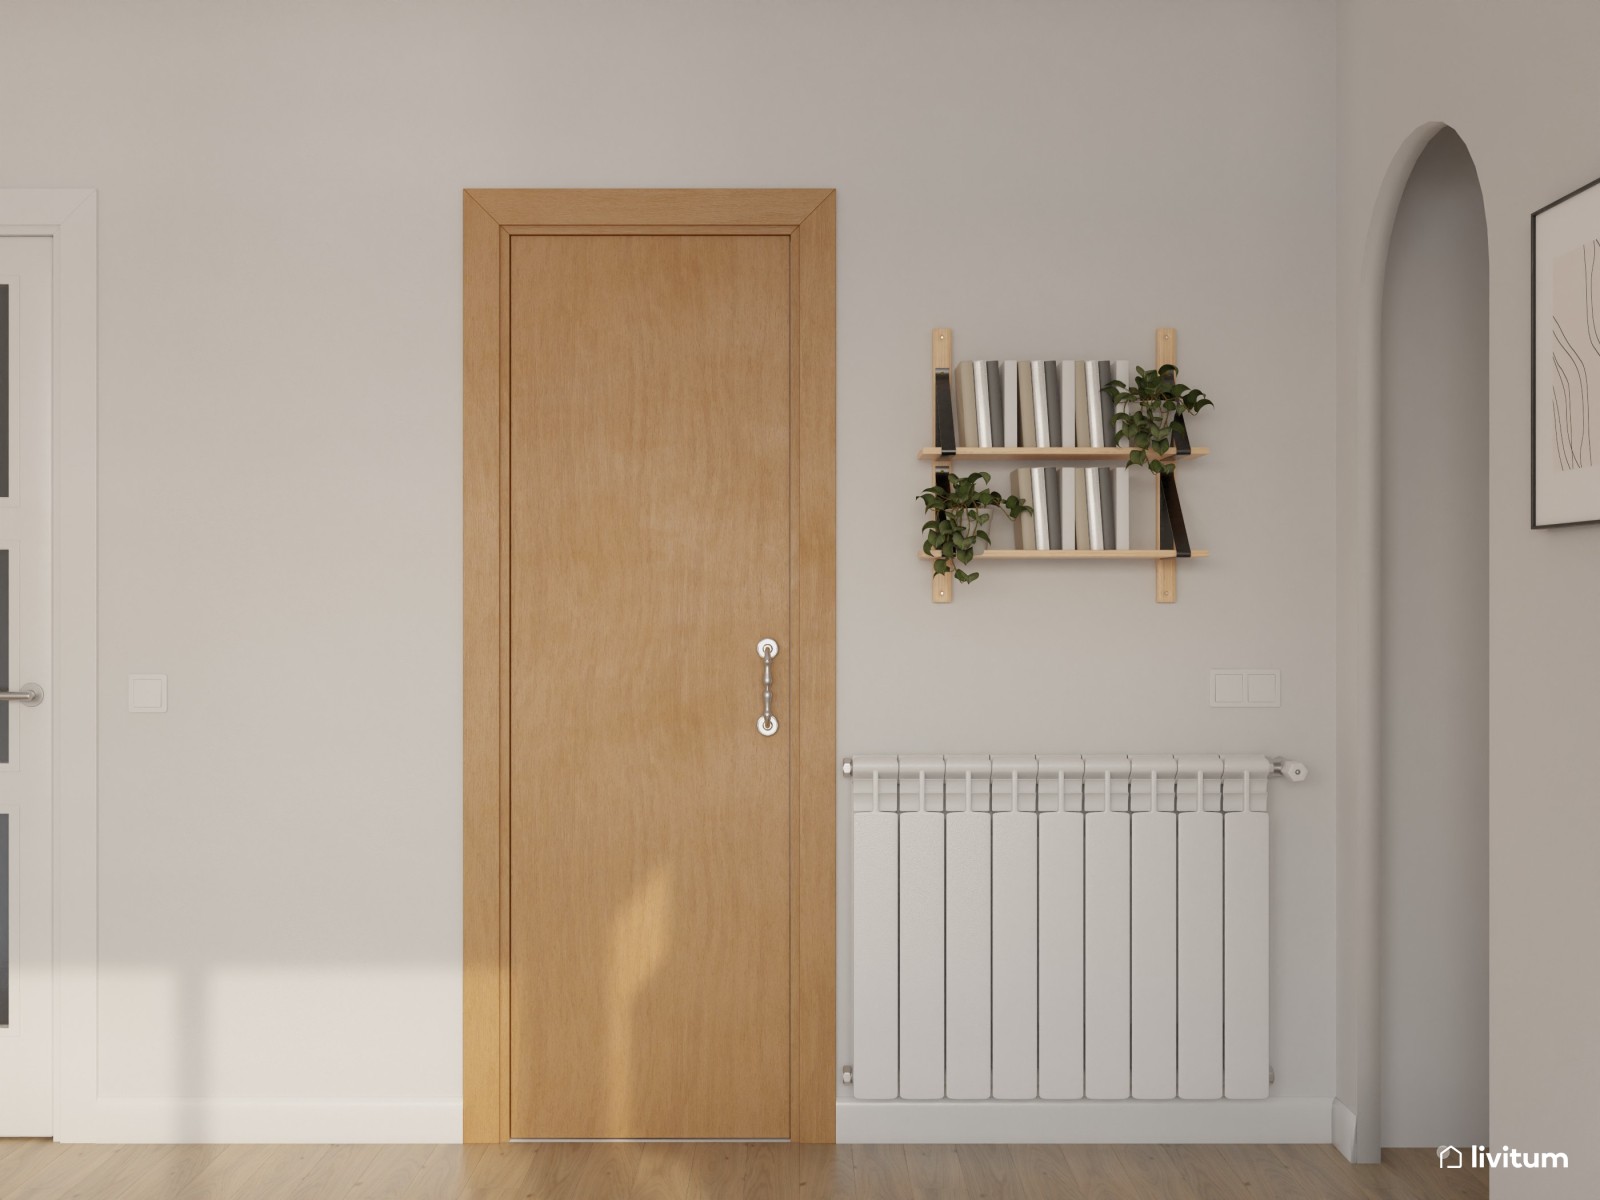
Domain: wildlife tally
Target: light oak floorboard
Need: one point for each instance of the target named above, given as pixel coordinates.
(47, 1170)
(1045, 1173)
(882, 1173)
(1100, 1172)
(767, 1173)
(1150, 1171)
(333, 1175)
(391, 1173)
(1266, 1173)
(14, 1151)
(1419, 1167)
(119, 1174)
(37, 1170)
(717, 1169)
(496, 1167)
(59, 1175)
(25, 1158)
(595, 1170)
(825, 1172)
(286, 1171)
(227, 1174)
(166, 1175)
(1316, 1170)
(664, 1173)
(443, 1176)
(19, 1156)
(989, 1173)
(935, 1172)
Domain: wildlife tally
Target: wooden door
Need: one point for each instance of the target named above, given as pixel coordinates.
(648, 935)
(649, 815)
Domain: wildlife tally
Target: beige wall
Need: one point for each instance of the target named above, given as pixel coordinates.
(280, 408)
(1517, 83)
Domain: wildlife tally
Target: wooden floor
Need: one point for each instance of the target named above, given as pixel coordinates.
(33, 1170)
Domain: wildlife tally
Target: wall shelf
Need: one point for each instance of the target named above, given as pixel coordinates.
(1042, 454)
(1165, 556)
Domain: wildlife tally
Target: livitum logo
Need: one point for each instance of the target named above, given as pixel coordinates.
(1451, 1158)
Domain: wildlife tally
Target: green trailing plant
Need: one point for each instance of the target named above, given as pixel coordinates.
(958, 512)
(1148, 411)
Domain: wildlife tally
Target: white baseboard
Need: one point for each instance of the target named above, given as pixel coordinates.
(1282, 1120)
(275, 1121)
(1344, 1131)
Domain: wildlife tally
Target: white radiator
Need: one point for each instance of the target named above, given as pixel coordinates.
(1060, 927)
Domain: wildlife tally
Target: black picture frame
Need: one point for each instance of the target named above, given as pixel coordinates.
(1533, 364)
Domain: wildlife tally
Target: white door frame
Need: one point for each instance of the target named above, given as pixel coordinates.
(67, 216)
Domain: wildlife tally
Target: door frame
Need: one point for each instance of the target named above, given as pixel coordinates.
(68, 217)
(491, 218)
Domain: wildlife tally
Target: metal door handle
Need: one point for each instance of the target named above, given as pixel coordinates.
(766, 722)
(29, 695)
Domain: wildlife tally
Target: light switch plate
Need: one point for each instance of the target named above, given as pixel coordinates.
(147, 693)
(1245, 687)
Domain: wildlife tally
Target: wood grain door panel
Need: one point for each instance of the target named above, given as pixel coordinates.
(650, 551)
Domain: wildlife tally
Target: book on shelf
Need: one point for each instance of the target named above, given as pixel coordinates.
(1051, 372)
(1023, 527)
(1100, 401)
(1119, 476)
(966, 406)
(997, 418)
(980, 402)
(1026, 415)
(1064, 416)
(1080, 478)
(1064, 400)
(944, 412)
(1067, 482)
(1008, 402)
(1037, 389)
(1039, 394)
(1098, 488)
(1047, 482)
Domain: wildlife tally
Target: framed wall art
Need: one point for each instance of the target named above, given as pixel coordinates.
(1566, 360)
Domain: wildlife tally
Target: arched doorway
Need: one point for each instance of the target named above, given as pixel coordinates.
(1420, 332)
(1433, 674)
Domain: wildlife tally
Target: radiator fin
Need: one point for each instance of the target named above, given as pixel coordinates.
(876, 960)
(922, 896)
(967, 932)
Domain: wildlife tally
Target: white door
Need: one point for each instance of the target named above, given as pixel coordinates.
(25, 944)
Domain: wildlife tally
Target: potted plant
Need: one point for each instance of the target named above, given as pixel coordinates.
(1150, 415)
(958, 509)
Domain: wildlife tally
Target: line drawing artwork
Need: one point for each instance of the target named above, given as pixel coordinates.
(1576, 359)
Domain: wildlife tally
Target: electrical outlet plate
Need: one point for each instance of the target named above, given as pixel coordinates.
(147, 693)
(1245, 687)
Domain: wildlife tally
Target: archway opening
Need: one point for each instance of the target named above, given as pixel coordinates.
(1433, 674)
